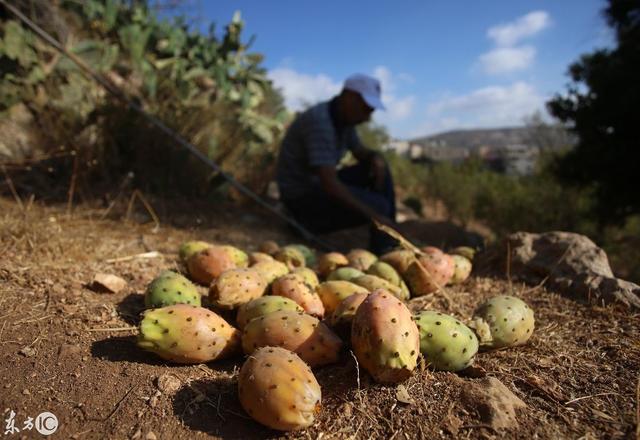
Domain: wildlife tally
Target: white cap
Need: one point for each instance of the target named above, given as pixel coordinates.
(367, 87)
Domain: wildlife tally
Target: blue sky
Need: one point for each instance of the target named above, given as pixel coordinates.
(444, 65)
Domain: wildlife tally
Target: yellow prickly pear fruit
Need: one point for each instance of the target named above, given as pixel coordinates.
(461, 269)
(372, 282)
(235, 287)
(269, 247)
(334, 292)
(503, 321)
(263, 306)
(361, 259)
(238, 256)
(257, 257)
(330, 261)
(465, 251)
(188, 248)
(344, 273)
(276, 388)
(271, 270)
(308, 275)
(290, 256)
(399, 259)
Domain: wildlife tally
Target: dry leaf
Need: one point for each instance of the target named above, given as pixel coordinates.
(104, 282)
(403, 395)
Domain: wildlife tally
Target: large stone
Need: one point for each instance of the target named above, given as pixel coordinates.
(567, 262)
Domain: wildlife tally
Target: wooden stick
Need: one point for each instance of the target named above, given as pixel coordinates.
(152, 254)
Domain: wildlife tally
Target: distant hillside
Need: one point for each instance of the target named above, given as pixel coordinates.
(497, 137)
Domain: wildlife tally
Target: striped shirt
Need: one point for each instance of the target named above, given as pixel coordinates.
(314, 139)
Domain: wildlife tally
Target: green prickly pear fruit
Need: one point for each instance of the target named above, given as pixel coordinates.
(503, 321)
(303, 334)
(263, 306)
(188, 248)
(269, 247)
(171, 288)
(333, 292)
(344, 273)
(294, 287)
(257, 257)
(290, 256)
(207, 265)
(342, 316)
(277, 389)
(330, 261)
(187, 334)
(445, 342)
(235, 287)
(465, 251)
(309, 255)
(308, 275)
(387, 272)
(361, 259)
(271, 270)
(399, 259)
(461, 269)
(372, 282)
(385, 338)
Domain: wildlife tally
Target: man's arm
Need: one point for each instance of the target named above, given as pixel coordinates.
(377, 165)
(337, 190)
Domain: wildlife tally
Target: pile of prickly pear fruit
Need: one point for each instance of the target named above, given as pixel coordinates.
(288, 310)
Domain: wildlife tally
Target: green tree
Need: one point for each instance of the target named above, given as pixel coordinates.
(601, 108)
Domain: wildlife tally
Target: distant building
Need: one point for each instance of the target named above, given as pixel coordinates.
(401, 148)
(520, 159)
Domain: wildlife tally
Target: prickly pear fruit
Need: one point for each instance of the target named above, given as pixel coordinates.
(384, 337)
(257, 257)
(330, 261)
(399, 259)
(207, 265)
(344, 273)
(290, 256)
(303, 334)
(445, 342)
(331, 293)
(429, 273)
(187, 334)
(271, 270)
(372, 282)
(188, 248)
(461, 269)
(308, 275)
(388, 272)
(465, 251)
(235, 287)
(503, 321)
(263, 306)
(361, 259)
(294, 287)
(310, 259)
(238, 256)
(269, 247)
(342, 316)
(170, 288)
(277, 389)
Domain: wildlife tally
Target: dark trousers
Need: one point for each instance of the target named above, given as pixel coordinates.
(320, 213)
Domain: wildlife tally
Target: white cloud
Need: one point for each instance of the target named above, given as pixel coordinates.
(506, 59)
(301, 90)
(494, 106)
(397, 108)
(526, 26)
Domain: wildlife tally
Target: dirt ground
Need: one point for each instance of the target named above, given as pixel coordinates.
(69, 350)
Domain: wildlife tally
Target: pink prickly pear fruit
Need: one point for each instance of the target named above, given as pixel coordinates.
(269, 247)
(332, 293)
(263, 306)
(277, 389)
(187, 334)
(290, 256)
(342, 316)
(399, 259)
(235, 287)
(330, 261)
(385, 339)
(207, 265)
(294, 287)
(271, 270)
(188, 248)
(308, 275)
(257, 257)
(429, 273)
(361, 259)
(303, 334)
(372, 282)
(461, 269)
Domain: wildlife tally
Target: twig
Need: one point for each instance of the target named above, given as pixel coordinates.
(119, 403)
(357, 368)
(508, 268)
(638, 408)
(589, 397)
(72, 184)
(112, 329)
(152, 254)
(12, 188)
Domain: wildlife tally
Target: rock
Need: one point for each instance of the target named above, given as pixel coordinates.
(28, 351)
(571, 263)
(107, 283)
(68, 350)
(151, 436)
(168, 383)
(492, 401)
